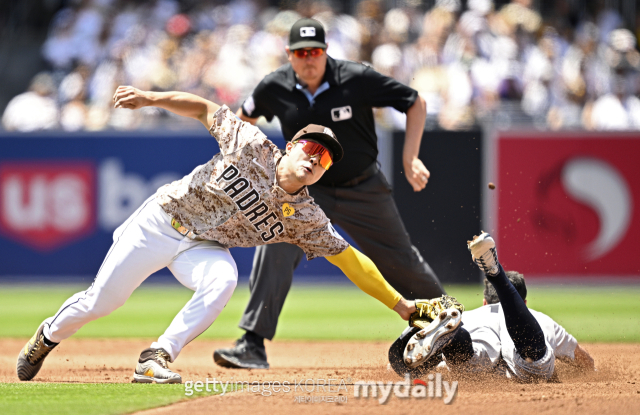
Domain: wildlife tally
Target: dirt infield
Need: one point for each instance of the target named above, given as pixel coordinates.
(614, 389)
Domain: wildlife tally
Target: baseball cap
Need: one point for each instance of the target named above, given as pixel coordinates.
(324, 136)
(306, 33)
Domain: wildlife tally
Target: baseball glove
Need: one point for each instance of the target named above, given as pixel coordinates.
(428, 310)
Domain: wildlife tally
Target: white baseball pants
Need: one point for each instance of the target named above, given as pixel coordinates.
(142, 245)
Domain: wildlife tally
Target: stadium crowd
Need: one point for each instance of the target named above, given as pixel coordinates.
(474, 64)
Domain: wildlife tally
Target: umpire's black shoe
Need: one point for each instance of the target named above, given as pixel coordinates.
(245, 355)
(32, 356)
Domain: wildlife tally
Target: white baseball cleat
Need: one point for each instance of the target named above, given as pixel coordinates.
(432, 339)
(484, 254)
(152, 367)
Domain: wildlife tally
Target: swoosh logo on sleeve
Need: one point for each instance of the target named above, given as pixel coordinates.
(255, 161)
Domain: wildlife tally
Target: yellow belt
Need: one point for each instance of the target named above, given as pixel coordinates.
(184, 231)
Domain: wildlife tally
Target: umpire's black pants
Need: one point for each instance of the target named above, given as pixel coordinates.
(368, 213)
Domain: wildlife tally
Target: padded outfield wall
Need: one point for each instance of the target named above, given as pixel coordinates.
(565, 208)
(566, 205)
(63, 195)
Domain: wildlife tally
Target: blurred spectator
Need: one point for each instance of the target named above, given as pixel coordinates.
(473, 64)
(617, 110)
(35, 109)
(518, 13)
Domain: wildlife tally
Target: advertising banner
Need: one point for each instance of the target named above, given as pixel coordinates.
(62, 196)
(567, 204)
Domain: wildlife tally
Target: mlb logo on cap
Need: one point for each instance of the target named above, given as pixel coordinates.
(307, 31)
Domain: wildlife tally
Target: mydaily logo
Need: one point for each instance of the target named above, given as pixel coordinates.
(419, 389)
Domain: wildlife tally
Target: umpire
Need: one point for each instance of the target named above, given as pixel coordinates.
(316, 89)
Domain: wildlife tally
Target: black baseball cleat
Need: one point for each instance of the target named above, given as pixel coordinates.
(32, 355)
(244, 355)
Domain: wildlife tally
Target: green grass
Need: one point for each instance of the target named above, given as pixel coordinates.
(87, 399)
(334, 312)
(592, 314)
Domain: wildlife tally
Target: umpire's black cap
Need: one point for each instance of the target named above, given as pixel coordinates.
(307, 33)
(324, 136)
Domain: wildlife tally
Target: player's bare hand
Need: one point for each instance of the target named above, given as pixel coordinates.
(417, 174)
(405, 308)
(130, 98)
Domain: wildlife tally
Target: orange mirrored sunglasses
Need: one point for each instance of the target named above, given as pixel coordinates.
(313, 149)
(303, 53)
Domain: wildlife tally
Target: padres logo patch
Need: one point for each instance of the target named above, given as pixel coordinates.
(287, 210)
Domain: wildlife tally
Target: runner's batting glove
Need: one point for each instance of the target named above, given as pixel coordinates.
(428, 310)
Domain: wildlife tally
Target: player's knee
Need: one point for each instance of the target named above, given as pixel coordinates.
(530, 370)
(231, 281)
(216, 294)
(228, 283)
(101, 309)
(101, 306)
(222, 279)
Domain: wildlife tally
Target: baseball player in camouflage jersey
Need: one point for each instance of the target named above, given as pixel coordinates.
(503, 336)
(249, 194)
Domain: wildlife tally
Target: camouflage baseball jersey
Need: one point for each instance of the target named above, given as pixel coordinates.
(234, 198)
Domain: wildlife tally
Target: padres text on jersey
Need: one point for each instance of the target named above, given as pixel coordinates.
(235, 199)
(235, 189)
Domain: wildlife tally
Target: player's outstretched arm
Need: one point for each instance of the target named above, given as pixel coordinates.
(583, 359)
(363, 272)
(181, 103)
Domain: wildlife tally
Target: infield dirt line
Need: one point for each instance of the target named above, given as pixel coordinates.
(615, 388)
